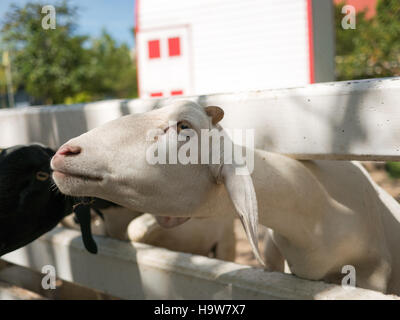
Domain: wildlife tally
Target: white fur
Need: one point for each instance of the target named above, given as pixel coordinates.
(324, 214)
(207, 237)
(197, 236)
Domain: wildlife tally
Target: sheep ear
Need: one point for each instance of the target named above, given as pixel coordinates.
(216, 113)
(241, 190)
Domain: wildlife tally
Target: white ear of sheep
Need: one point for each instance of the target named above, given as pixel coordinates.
(240, 189)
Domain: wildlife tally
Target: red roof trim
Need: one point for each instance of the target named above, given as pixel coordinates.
(136, 44)
(310, 41)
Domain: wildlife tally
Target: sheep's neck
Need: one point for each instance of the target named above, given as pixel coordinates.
(290, 199)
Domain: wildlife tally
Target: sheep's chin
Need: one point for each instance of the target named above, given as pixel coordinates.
(170, 222)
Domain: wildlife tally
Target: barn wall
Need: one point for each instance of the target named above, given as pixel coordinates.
(233, 45)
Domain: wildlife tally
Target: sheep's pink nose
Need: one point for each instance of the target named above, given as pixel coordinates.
(68, 150)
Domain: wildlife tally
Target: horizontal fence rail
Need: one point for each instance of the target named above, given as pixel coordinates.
(350, 120)
(137, 271)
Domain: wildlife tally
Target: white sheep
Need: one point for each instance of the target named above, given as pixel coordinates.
(324, 214)
(207, 237)
(214, 236)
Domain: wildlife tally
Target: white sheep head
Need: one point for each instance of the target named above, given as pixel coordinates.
(111, 162)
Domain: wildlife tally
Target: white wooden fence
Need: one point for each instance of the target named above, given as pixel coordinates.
(355, 120)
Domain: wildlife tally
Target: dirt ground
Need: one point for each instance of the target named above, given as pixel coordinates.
(380, 176)
(377, 171)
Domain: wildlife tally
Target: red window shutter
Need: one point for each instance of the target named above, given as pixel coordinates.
(174, 46)
(176, 93)
(154, 49)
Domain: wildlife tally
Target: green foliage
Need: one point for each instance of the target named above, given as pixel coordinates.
(3, 86)
(58, 66)
(80, 97)
(372, 50)
(2, 79)
(111, 69)
(47, 63)
(393, 168)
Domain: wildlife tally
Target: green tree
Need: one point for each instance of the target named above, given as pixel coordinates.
(112, 69)
(49, 64)
(3, 86)
(372, 50)
(110, 72)
(57, 66)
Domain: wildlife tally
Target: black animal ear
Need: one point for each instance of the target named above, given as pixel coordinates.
(82, 212)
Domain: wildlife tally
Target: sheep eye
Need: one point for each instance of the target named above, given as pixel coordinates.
(182, 126)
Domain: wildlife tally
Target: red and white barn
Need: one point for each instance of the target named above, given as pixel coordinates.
(187, 47)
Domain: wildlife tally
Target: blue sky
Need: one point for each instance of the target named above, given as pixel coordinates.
(116, 16)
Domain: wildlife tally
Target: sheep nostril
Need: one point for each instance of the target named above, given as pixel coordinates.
(68, 150)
